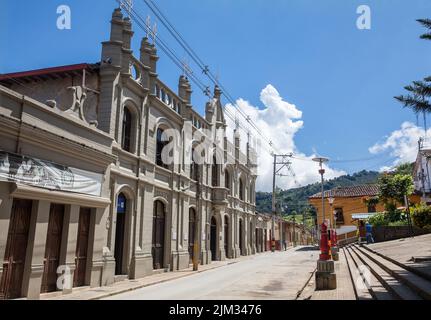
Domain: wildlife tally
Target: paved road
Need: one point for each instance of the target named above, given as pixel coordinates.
(266, 276)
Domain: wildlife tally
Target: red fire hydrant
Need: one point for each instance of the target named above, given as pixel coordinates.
(334, 239)
(324, 247)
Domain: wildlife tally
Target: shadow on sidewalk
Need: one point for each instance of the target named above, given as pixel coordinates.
(308, 248)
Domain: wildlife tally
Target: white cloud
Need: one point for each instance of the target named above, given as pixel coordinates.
(402, 144)
(279, 121)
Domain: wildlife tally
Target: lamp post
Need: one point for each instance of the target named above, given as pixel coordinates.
(325, 275)
(331, 202)
(333, 231)
(321, 161)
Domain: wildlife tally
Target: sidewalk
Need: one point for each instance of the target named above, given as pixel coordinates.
(344, 289)
(130, 285)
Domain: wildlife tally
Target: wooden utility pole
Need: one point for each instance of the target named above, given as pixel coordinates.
(284, 163)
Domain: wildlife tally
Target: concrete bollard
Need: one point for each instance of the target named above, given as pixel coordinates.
(326, 278)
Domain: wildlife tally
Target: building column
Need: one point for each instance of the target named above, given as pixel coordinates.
(97, 238)
(70, 239)
(36, 250)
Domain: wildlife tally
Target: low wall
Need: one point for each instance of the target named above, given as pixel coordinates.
(385, 233)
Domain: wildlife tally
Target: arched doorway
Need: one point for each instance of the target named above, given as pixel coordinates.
(257, 240)
(251, 235)
(266, 240)
(192, 232)
(126, 142)
(120, 229)
(158, 247)
(213, 240)
(226, 236)
(241, 249)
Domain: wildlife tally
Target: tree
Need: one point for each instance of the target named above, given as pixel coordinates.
(427, 24)
(393, 188)
(419, 91)
(405, 169)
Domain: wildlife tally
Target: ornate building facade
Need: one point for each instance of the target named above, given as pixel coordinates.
(103, 200)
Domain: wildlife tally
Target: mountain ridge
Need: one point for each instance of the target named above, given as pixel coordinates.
(296, 200)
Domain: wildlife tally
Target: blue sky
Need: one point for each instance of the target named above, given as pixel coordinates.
(341, 78)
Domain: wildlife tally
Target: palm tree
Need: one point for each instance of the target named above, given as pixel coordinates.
(419, 91)
(427, 24)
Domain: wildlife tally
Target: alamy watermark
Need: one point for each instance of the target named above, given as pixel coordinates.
(64, 20)
(64, 281)
(364, 20)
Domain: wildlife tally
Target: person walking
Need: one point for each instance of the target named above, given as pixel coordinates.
(369, 233)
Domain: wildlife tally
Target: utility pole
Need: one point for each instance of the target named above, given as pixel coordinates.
(284, 163)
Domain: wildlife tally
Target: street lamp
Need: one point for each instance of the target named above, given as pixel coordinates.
(321, 161)
(331, 202)
(326, 278)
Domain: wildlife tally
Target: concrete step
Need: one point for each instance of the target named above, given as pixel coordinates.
(375, 287)
(360, 293)
(395, 287)
(421, 274)
(416, 283)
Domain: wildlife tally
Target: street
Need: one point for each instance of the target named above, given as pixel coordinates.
(269, 275)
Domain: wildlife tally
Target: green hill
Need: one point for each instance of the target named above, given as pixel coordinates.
(296, 200)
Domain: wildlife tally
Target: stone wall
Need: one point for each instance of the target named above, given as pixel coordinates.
(386, 233)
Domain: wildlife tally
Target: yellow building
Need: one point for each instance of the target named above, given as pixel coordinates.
(345, 205)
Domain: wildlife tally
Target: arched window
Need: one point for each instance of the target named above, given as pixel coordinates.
(241, 190)
(159, 149)
(215, 177)
(194, 167)
(126, 142)
(251, 192)
(227, 180)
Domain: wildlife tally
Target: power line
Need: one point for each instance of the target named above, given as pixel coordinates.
(204, 68)
(171, 54)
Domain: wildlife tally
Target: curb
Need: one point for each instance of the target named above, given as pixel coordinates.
(155, 283)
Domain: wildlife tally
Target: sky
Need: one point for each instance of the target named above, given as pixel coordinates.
(313, 82)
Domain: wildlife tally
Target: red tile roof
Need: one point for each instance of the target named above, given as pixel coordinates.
(369, 190)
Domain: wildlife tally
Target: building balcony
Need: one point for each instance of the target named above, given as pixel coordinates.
(219, 196)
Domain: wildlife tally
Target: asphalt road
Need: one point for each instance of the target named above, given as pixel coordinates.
(269, 275)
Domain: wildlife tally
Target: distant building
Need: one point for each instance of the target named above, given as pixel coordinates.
(421, 173)
(349, 205)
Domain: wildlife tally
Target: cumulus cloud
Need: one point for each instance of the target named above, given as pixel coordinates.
(402, 144)
(279, 121)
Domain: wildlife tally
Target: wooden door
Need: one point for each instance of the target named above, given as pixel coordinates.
(16, 248)
(240, 238)
(52, 248)
(192, 230)
(82, 248)
(266, 240)
(119, 238)
(214, 238)
(158, 235)
(226, 236)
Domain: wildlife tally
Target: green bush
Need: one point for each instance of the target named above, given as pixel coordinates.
(379, 219)
(421, 216)
(399, 223)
